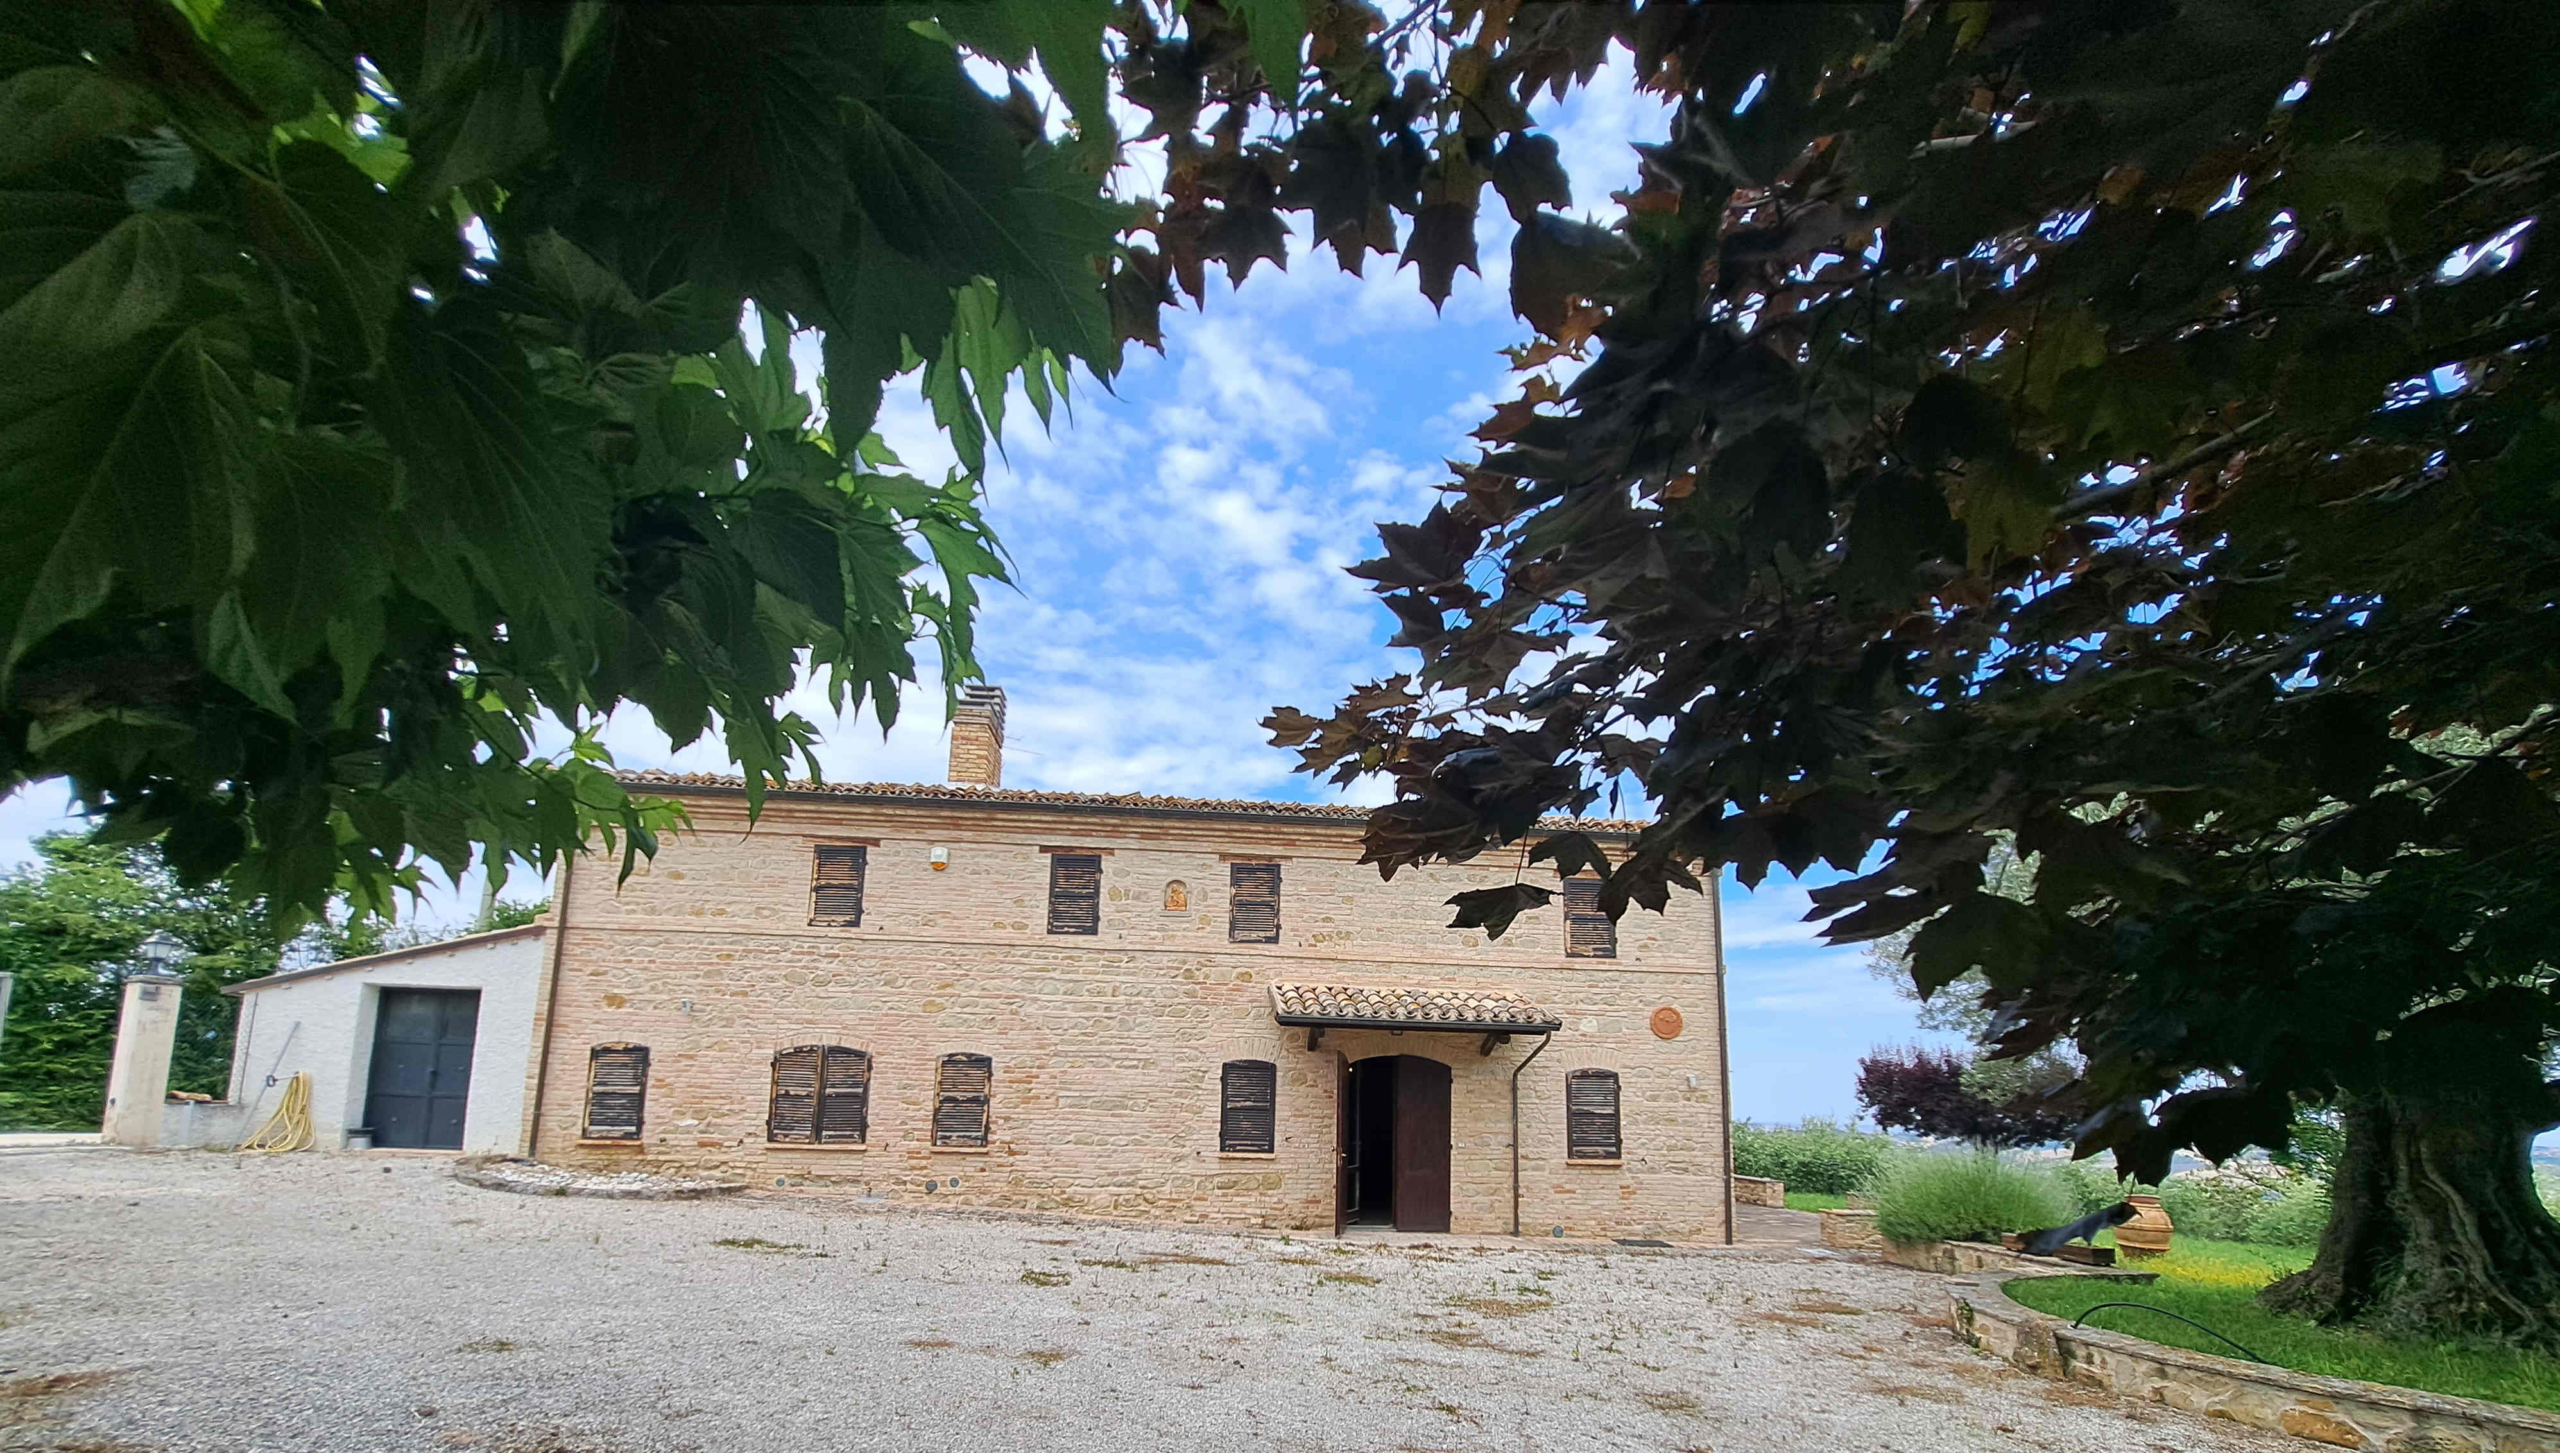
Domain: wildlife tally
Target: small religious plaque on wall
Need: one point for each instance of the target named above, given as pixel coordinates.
(1667, 1022)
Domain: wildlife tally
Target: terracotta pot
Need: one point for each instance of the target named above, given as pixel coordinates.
(2147, 1234)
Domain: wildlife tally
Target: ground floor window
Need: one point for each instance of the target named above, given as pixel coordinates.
(821, 1096)
(961, 1089)
(617, 1090)
(1591, 1115)
(1248, 1093)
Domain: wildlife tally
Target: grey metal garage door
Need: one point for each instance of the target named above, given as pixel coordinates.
(421, 1080)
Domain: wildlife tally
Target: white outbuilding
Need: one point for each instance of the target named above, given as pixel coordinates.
(425, 1048)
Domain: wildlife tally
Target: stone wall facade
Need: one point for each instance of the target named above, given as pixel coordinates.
(1108, 1048)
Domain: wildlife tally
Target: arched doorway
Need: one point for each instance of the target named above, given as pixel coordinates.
(1394, 1125)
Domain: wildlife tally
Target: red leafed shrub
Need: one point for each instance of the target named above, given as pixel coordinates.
(1923, 1091)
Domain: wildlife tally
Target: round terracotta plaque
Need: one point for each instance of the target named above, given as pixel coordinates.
(1666, 1022)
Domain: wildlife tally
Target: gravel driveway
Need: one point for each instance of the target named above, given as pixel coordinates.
(193, 1301)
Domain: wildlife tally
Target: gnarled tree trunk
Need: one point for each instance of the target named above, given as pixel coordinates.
(2434, 1226)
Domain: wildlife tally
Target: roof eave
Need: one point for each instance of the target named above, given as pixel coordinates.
(367, 961)
(1278, 812)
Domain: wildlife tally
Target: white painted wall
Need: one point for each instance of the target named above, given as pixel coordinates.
(320, 1022)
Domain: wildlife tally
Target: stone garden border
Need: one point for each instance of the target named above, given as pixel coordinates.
(2331, 1410)
(532, 1178)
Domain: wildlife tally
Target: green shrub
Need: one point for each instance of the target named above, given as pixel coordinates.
(1819, 1156)
(1937, 1197)
(2090, 1185)
(2217, 1208)
(2295, 1217)
(2247, 1201)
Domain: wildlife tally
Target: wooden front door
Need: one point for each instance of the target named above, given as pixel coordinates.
(1422, 1144)
(1343, 1185)
(420, 1083)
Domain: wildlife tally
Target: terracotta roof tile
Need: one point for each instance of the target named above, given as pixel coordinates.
(1103, 801)
(1355, 1005)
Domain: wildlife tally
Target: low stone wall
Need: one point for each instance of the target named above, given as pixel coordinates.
(204, 1124)
(1759, 1191)
(1961, 1258)
(2329, 1410)
(1851, 1231)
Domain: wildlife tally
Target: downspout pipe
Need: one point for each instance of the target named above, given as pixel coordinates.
(1724, 1063)
(1543, 1041)
(532, 1130)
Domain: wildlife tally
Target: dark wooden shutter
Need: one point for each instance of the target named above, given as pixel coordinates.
(960, 1099)
(1075, 893)
(1588, 932)
(844, 1096)
(617, 1088)
(835, 884)
(1248, 1095)
(1253, 903)
(1591, 1115)
(791, 1117)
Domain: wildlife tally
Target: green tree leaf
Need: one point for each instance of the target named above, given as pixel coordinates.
(1276, 29)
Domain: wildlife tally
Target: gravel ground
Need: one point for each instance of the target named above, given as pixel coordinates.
(192, 1301)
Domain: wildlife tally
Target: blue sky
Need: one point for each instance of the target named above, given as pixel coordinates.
(1180, 543)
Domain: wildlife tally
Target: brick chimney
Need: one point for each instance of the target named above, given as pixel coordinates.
(977, 737)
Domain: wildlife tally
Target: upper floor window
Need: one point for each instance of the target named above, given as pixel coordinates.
(1253, 903)
(1075, 892)
(1248, 1095)
(961, 1089)
(835, 884)
(1591, 1115)
(821, 1096)
(617, 1090)
(1589, 933)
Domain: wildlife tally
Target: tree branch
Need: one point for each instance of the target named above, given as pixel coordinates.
(2096, 501)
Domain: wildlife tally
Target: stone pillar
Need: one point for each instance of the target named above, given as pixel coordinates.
(138, 1078)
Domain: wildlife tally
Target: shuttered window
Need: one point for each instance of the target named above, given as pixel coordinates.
(1075, 893)
(821, 1096)
(835, 884)
(1253, 903)
(960, 1092)
(1589, 933)
(1248, 1093)
(617, 1087)
(1591, 1115)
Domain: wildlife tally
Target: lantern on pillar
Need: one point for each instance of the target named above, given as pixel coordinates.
(161, 953)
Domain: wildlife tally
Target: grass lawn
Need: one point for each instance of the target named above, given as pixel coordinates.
(2217, 1282)
(1815, 1201)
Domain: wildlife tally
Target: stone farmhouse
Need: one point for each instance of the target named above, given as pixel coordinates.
(1145, 1007)
(1141, 1007)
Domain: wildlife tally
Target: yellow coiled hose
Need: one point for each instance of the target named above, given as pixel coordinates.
(288, 1129)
